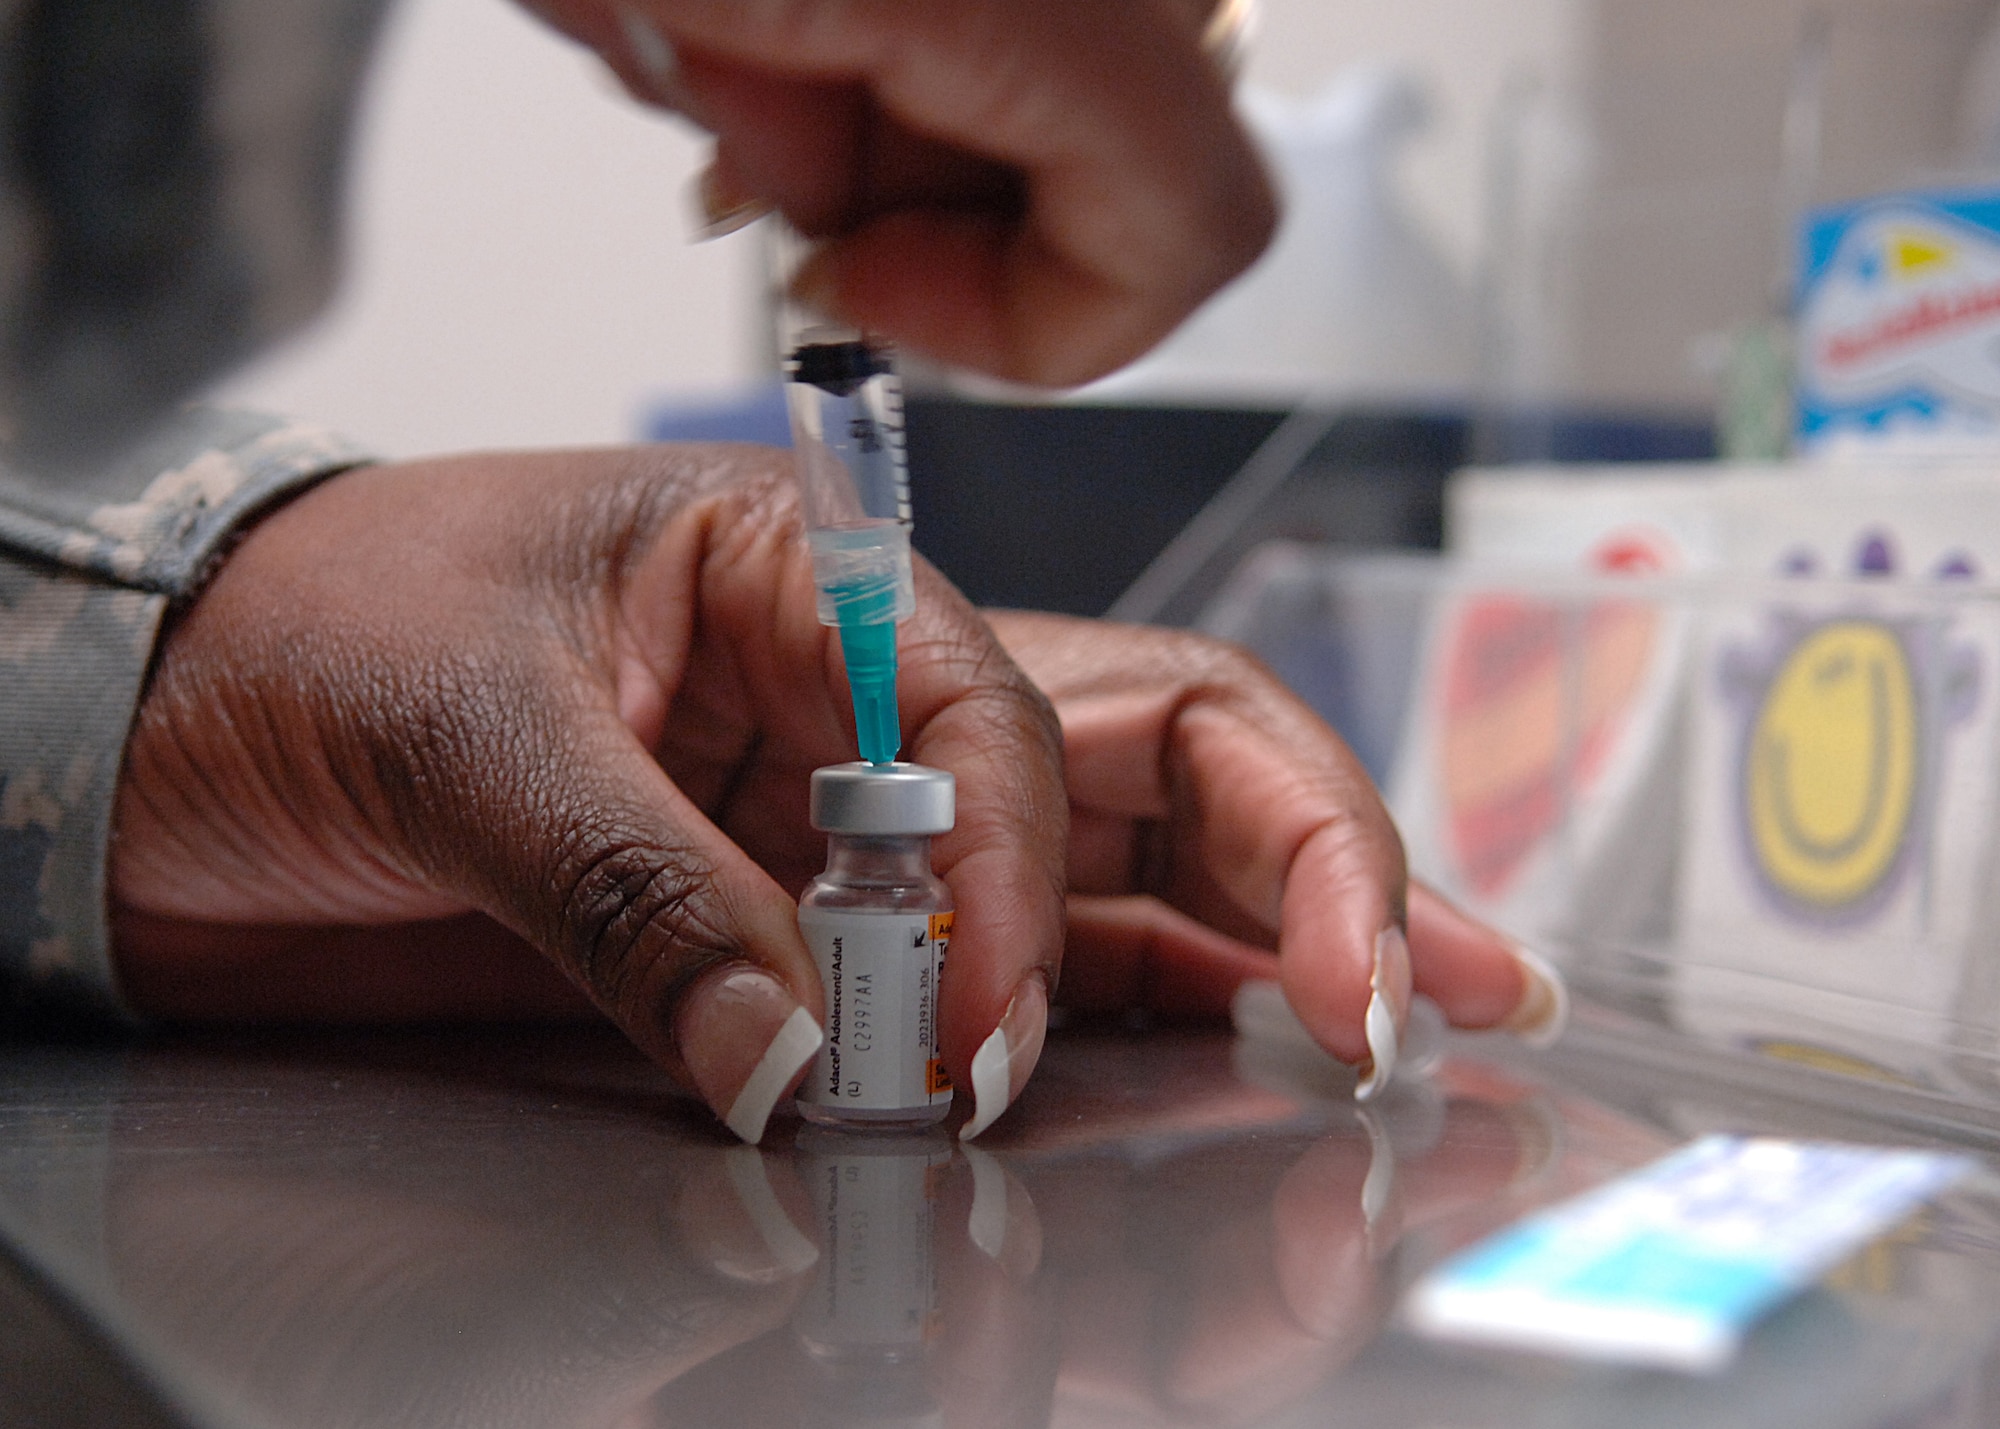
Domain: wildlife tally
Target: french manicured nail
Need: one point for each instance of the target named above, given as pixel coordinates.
(745, 1040)
(1543, 1011)
(1001, 1066)
(721, 208)
(1388, 1007)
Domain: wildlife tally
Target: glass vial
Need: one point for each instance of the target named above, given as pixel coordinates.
(878, 922)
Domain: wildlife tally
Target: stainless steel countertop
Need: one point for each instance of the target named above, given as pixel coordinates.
(527, 1228)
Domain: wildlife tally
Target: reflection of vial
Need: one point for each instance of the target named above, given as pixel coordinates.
(870, 1321)
(874, 1295)
(878, 922)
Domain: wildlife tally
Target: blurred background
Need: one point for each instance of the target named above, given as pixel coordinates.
(520, 268)
(1517, 230)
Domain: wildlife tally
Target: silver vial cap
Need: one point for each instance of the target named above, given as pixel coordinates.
(862, 798)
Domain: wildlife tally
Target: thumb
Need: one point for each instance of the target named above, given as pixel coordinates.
(577, 840)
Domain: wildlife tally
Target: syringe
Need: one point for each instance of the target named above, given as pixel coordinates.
(846, 409)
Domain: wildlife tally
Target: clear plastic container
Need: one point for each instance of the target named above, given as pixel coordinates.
(1752, 818)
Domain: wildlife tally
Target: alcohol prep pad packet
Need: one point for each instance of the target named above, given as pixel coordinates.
(1669, 1266)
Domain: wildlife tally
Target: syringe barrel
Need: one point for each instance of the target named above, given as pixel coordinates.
(844, 400)
(846, 413)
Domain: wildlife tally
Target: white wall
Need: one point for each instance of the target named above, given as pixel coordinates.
(519, 267)
(1462, 50)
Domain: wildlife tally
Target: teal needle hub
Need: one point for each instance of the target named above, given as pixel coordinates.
(866, 611)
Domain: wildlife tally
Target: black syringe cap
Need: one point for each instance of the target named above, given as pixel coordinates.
(838, 367)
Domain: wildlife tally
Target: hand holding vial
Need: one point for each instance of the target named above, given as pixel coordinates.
(533, 734)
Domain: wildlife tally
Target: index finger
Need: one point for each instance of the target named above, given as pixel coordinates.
(977, 715)
(1244, 809)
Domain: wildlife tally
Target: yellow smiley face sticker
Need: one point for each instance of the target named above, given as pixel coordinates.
(1833, 764)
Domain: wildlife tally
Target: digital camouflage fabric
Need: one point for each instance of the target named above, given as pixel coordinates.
(88, 568)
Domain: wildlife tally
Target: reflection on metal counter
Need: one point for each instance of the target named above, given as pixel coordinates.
(870, 1317)
(511, 1229)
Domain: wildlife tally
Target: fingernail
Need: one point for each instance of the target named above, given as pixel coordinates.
(1543, 1011)
(653, 55)
(722, 208)
(745, 1039)
(1227, 34)
(1001, 1066)
(1421, 1046)
(1388, 1007)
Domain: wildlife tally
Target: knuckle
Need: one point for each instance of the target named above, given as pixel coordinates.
(1032, 707)
(1220, 667)
(988, 680)
(630, 917)
(647, 489)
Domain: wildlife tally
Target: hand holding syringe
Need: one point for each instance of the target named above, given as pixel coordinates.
(846, 409)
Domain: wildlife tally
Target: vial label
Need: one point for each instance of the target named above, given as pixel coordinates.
(880, 971)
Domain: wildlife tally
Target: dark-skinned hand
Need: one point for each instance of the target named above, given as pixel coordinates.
(507, 736)
(1036, 189)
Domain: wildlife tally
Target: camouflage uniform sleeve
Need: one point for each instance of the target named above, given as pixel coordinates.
(88, 567)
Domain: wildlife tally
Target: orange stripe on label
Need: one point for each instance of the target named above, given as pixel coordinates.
(940, 927)
(936, 1079)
